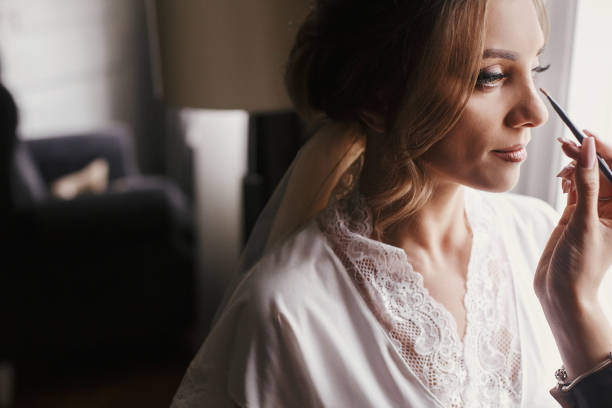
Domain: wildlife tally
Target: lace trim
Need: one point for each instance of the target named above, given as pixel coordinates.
(484, 370)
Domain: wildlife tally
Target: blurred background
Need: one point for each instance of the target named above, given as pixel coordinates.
(150, 135)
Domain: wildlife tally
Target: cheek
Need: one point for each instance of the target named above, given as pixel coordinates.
(480, 128)
(481, 123)
(452, 157)
(485, 115)
(464, 155)
(465, 145)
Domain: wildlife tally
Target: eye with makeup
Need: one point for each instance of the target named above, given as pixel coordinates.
(491, 78)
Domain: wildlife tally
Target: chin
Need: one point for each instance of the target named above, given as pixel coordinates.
(499, 183)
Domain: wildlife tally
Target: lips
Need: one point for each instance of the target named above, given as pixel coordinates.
(510, 149)
(514, 154)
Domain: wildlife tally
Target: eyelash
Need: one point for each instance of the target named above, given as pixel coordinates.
(488, 80)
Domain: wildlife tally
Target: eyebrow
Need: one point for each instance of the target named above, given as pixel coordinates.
(504, 54)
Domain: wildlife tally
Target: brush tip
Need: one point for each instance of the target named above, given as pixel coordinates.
(544, 92)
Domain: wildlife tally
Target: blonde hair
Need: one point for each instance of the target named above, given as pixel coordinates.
(406, 68)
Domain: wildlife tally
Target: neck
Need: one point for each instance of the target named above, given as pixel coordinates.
(437, 228)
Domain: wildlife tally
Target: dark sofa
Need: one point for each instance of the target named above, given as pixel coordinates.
(101, 276)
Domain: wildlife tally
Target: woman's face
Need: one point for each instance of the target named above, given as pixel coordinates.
(487, 146)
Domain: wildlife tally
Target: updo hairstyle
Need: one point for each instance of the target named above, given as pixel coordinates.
(401, 71)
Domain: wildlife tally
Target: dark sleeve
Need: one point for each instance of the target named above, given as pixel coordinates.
(592, 391)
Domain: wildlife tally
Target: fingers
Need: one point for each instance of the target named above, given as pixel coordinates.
(587, 182)
(568, 171)
(567, 177)
(604, 148)
(572, 197)
(569, 147)
(541, 275)
(572, 150)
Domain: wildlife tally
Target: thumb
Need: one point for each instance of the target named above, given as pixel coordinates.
(587, 180)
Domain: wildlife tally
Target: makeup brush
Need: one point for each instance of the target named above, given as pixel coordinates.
(603, 166)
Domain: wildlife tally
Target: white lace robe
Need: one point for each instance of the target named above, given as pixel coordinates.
(333, 318)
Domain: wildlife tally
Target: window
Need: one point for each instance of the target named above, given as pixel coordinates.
(590, 87)
(545, 157)
(590, 91)
(589, 84)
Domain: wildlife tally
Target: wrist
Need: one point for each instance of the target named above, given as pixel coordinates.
(568, 302)
(581, 330)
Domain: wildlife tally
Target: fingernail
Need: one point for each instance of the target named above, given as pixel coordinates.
(589, 133)
(563, 139)
(565, 186)
(563, 173)
(587, 154)
(567, 171)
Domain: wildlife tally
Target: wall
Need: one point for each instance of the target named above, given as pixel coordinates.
(75, 65)
(219, 142)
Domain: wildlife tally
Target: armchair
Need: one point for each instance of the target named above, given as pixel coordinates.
(96, 274)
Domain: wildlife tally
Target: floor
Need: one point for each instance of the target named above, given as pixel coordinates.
(146, 384)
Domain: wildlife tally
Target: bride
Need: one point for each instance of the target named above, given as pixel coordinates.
(388, 270)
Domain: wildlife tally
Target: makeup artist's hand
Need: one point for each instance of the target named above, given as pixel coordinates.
(575, 260)
(586, 224)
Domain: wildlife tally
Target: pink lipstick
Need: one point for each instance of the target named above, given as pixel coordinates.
(514, 154)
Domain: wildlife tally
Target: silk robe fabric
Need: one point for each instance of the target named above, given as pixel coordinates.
(297, 333)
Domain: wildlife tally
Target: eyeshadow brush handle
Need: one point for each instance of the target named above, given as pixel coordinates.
(603, 166)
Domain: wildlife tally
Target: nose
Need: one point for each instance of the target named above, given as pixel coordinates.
(528, 109)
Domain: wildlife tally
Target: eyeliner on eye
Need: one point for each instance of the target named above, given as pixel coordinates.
(488, 79)
(541, 68)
